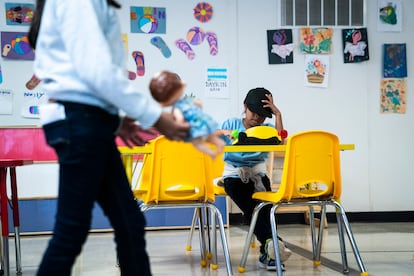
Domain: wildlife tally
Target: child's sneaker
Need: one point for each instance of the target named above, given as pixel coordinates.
(284, 251)
(267, 263)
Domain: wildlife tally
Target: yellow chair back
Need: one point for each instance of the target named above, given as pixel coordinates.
(312, 165)
(311, 168)
(175, 171)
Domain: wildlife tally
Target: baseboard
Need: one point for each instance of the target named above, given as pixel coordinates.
(293, 218)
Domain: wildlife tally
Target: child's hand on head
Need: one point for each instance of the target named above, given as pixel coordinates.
(269, 103)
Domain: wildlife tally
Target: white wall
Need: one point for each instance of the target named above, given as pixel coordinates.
(380, 166)
(376, 175)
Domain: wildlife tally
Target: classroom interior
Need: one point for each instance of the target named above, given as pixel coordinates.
(376, 174)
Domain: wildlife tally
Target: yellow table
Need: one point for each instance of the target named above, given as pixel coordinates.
(129, 153)
(236, 148)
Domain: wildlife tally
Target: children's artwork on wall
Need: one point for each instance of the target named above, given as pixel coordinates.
(395, 61)
(393, 96)
(6, 102)
(159, 43)
(31, 103)
(316, 70)
(138, 57)
(15, 45)
(212, 42)
(280, 46)
(19, 13)
(185, 48)
(316, 40)
(355, 43)
(148, 20)
(203, 12)
(33, 82)
(125, 43)
(217, 83)
(389, 18)
(195, 35)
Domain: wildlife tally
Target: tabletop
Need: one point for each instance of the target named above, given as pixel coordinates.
(14, 162)
(234, 148)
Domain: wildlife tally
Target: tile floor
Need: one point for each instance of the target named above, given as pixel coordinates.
(386, 249)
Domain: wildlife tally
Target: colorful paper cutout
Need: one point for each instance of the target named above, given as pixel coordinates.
(148, 20)
(280, 46)
(203, 12)
(195, 35)
(19, 14)
(185, 48)
(316, 40)
(212, 42)
(139, 62)
(393, 96)
(15, 45)
(355, 44)
(33, 82)
(158, 42)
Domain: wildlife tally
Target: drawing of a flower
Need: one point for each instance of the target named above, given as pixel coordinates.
(315, 71)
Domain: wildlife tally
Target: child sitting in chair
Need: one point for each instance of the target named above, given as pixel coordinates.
(167, 89)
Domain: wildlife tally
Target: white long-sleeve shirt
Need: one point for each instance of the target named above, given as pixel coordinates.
(80, 58)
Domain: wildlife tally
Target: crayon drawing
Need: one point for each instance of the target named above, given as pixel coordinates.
(316, 70)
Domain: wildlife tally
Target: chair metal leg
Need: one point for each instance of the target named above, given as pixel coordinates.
(219, 218)
(201, 231)
(213, 240)
(18, 250)
(6, 262)
(242, 265)
(16, 219)
(188, 246)
(317, 259)
(275, 239)
(339, 222)
(207, 232)
(351, 238)
(312, 228)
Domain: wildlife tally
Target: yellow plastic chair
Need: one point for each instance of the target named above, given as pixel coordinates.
(217, 172)
(263, 132)
(311, 177)
(177, 175)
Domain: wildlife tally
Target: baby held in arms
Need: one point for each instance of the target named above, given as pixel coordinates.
(167, 88)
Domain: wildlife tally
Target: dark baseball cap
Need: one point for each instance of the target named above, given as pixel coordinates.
(254, 102)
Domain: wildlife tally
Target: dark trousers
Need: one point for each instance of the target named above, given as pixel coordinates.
(241, 193)
(90, 170)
